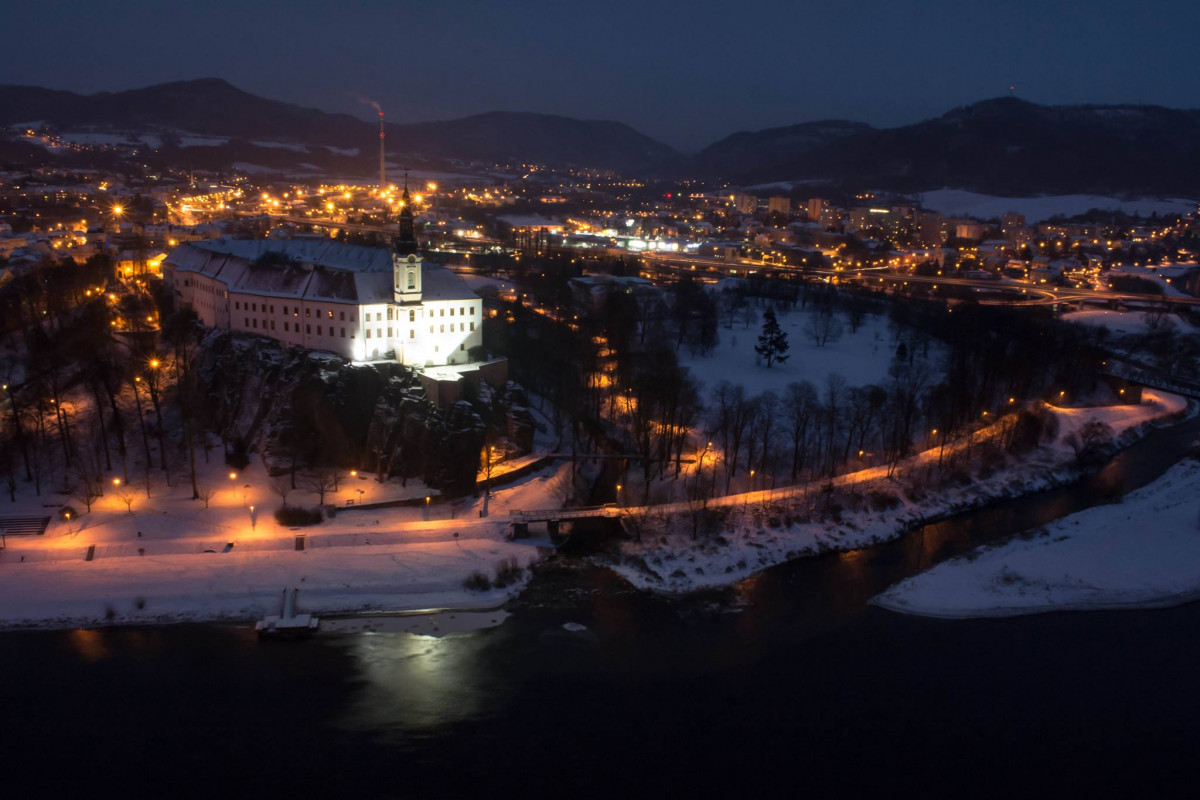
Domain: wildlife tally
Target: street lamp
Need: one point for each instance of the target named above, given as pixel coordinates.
(253, 519)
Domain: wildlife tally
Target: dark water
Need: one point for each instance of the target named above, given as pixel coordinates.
(788, 684)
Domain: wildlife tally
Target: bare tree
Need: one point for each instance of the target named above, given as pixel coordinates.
(822, 327)
(282, 487)
(86, 489)
(206, 493)
(320, 482)
(126, 495)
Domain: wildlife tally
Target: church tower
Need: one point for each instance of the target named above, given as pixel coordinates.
(406, 256)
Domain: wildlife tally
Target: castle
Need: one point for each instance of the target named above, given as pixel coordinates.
(361, 303)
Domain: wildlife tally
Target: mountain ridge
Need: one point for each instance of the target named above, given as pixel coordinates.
(215, 107)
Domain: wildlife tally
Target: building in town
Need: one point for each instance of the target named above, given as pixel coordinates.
(361, 303)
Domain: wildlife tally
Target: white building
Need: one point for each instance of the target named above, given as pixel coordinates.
(362, 303)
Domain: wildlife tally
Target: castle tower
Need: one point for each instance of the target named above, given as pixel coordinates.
(406, 256)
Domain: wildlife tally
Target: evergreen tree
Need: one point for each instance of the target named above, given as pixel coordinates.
(772, 342)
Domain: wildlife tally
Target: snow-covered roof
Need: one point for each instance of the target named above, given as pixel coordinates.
(314, 270)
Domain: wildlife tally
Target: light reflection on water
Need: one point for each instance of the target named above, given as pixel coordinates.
(412, 683)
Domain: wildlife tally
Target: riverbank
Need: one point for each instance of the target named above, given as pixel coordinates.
(1142, 552)
(170, 559)
(245, 586)
(763, 529)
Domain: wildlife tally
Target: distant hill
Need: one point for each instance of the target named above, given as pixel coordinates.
(1000, 146)
(761, 153)
(213, 107)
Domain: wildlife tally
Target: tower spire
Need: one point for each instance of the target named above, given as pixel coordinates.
(406, 238)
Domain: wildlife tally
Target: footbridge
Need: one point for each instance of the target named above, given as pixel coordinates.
(1143, 376)
(520, 520)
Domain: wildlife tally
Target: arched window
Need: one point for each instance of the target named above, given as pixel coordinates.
(412, 280)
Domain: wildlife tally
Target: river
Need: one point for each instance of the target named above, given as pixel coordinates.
(788, 682)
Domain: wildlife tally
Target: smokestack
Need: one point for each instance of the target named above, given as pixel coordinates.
(382, 172)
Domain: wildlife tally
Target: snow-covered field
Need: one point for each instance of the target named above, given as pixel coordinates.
(1123, 322)
(861, 358)
(1142, 552)
(756, 535)
(1038, 209)
(170, 560)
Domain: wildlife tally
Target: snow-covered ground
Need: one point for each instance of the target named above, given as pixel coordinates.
(1142, 552)
(861, 358)
(1038, 209)
(764, 528)
(169, 559)
(1123, 322)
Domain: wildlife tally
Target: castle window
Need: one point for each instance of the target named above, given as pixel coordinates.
(442, 312)
(285, 311)
(307, 328)
(443, 330)
(308, 312)
(285, 327)
(342, 316)
(412, 334)
(472, 311)
(412, 281)
(254, 306)
(389, 331)
(412, 316)
(472, 326)
(368, 333)
(237, 305)
(389, 313)
(272, 324)
(452, 312)
(247, 322)
(318, 330)
(272, 309)
(255, 322)
(343, 333)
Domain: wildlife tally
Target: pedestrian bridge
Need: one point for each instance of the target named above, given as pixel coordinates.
(520, 520)
(1135, 373)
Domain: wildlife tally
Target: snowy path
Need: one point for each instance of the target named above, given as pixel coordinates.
(670, 560)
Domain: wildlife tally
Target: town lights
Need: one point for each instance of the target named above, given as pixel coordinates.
(233, 476)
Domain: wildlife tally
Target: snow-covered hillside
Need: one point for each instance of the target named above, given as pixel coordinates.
(1037, 209)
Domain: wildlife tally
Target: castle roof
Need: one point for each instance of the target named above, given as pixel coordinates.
(305, 269)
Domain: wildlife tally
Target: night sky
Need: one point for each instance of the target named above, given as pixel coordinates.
(687, 73)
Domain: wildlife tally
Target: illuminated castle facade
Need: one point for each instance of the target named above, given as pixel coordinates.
(361, 303)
